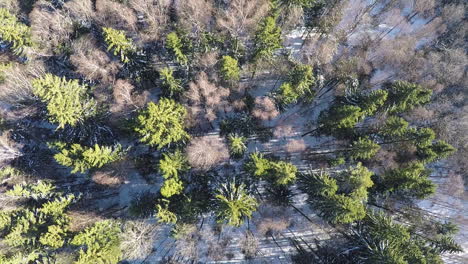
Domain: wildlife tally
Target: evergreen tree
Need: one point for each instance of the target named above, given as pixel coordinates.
(394, 127)
(435, 151)
(404, 96)
(340, 117)
(163, 213)
(237, 145)
(81, 158)
(283, 173)
(162, 124)
(277, 172)
(299, 85)
(171, 86)
(170, 166)
(230, 69)
(119, 43)
(67, 101)
(233, 204)
(363, 149)
(411, 181)
(267, 39)
(175, 45)
(371, 102)
(99, 243)
(340, 199)
(300, 3)
(257, 165)
(17, 34)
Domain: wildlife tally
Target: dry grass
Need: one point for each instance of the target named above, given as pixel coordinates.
(113, 14)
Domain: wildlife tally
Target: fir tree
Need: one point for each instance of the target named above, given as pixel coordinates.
(283, 173)
(67, 101)
(171, 86)
(237, 145)
(99, 243)
(170, 166)
(230, 69)
(340, 117)
(81, 158)
(404, 96)
(119, 43)
(257, 165)
(162, 124)
(394, 127)
(175, 45)
(233, 204)
(267, 39)
(435, 151)
(17, 34)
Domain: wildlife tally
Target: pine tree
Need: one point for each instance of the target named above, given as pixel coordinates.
(119, 43)
(363, 149)
(237, 145)
(267, 39)
(175, 45)
(162, 124)
(81, 158)
(299, 85)
(17, 34)
(171, 86)
(99, 243)
(404, 96)
(170, 166)
(230, 69)
(233, 204)
(67, 101)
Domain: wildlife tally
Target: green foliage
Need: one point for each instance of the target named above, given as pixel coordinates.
(372, 101)
(233, 204)
(39, 227)
(340, 117)
(267, 39)
(394, 127)
(171, 85)
(14, 32)
(82, 158)
(435, 151)
(340, 199)
(9, 171)
(301, 3)
(99, 243)
(237, 145)
(278, 172)
(38, 191)
(163, 213)
(162, 124)
(230, 69)
(119, 43)
(404, 96)
(175, 45)
(363, 149)
(411, 180)
(170, 166)
(67, 101)
(299, 85)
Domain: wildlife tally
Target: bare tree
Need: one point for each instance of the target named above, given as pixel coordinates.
(207, 152)
(265, 108)
(138, 239)
(205, 100)
(155, 14)
(195, 15)
(9, 150)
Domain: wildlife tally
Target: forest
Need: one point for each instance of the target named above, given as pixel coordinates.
(233, 131)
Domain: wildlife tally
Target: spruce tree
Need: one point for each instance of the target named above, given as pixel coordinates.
(171, 86)
(233, 204)
(339, 118)
(435, 151)
(283, 173)
(267, 39)
(17, 34)
(163, 213)
(175, 45)
(230, 69)
(237, 145)
(162, 124)
(170, 166)
(81, 158)
(404, 96)
(363, 149)
(99, 243)
(118, 43)
(67, 101)
(298, 85)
